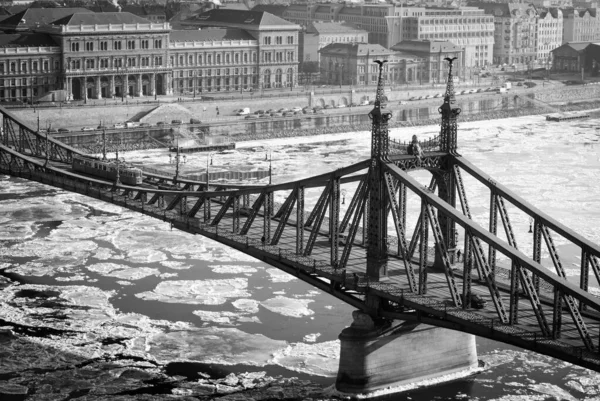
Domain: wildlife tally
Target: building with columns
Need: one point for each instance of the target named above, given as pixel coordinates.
(213, 60)
(106, 55)
(274, 51)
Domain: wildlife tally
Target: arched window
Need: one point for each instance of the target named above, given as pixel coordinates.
(278, 76)
(290, 76)
(180, 60)
(237, 58)
(267, 79)
(227, 59)
(245, 58)
(200, 59)
(209, 59)
(254, 57)
(218, 59)
(191, 60)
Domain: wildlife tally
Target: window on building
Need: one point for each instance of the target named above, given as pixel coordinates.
(2, 68)
(254, 57)
(103, 45)
(23, 67)
(209, 59)
(46, 65)
(237, 58)
(89, 46)
(227, 59)
(267, 40)
(131, 44)
(13, 67)
(245, 58)
(218, 59)
(145, 44)
(190, 60)
(117, 45)
(157, 43)
(158, 61)
(74, 47)
(290, 40)
(131, 62)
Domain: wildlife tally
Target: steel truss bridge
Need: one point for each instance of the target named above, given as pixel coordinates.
(352, 256)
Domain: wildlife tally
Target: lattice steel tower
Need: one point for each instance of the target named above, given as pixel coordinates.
(377, 246)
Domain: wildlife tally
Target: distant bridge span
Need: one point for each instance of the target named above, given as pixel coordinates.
(352, 256)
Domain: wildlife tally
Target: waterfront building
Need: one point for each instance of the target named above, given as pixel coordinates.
(29, 66)
(434, 68)
(389, 24)
(214, 60)
(515, 31)
(580, 25)
(570, 56)
(107, 55)
(353, 64)
(320, 34)
(273, 55)
(549, 34)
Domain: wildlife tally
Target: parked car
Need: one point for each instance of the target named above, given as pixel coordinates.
(100, 127)
(341, 106)
(317, 108)
(259, 112)
(413, 98)
(119, 125)
(145, 125)
(243, 112)
(319, 111)
(251, 116)
(401, 102)
(364, 103)
(52, 131)
(297, 108)
(176, 122)
(195, 121)
(288, 114)
(308, 111)
(62, 130)
(437, 95)
(328, 106)
(88, 129)
(264, 115)
(276, 115)
(160, 123)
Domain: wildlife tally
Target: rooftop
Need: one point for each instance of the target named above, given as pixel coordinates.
(333, 28)
(210, 34)
(100, 19)
(238, 19)
(33, 17)
(26, 39)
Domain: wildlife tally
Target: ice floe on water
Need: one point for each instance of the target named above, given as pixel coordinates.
(175, 264)
(200, 292)
(288, 306)
(279, 276)
(246, 305)
(123, 271)
(311, 338)
(233, 269)
(318, 359)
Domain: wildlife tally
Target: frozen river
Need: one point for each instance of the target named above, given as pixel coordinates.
(100, 281)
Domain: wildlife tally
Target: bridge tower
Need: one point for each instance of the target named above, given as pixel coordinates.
(446, 177)
(377, 248)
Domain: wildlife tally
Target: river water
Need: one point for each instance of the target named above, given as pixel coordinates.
(125, 284)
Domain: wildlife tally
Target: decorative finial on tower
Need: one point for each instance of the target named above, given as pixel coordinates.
(379, 132)
(448, 133)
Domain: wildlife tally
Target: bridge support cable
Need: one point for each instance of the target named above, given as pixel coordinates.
(572, 306)
(226, 205)
(319, 213)
(353, 204)
(192, 212)
(518, 273)
(443, 252)
(300, 221)
(235, 228)
(424, 240)
(462, 196)
(416, 233)
(285, 205)
(489, 278)
(537, 250)
(267, 216)
(318, 206)
(358, 212)
(253, 213)
(494, 230)
(401, 233)
(334, 222)
(467, 271)
(284, 214)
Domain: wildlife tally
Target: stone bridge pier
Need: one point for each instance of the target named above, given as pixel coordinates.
(378, 357)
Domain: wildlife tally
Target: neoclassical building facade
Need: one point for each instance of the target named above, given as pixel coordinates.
(109, 55)
(106, 55)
